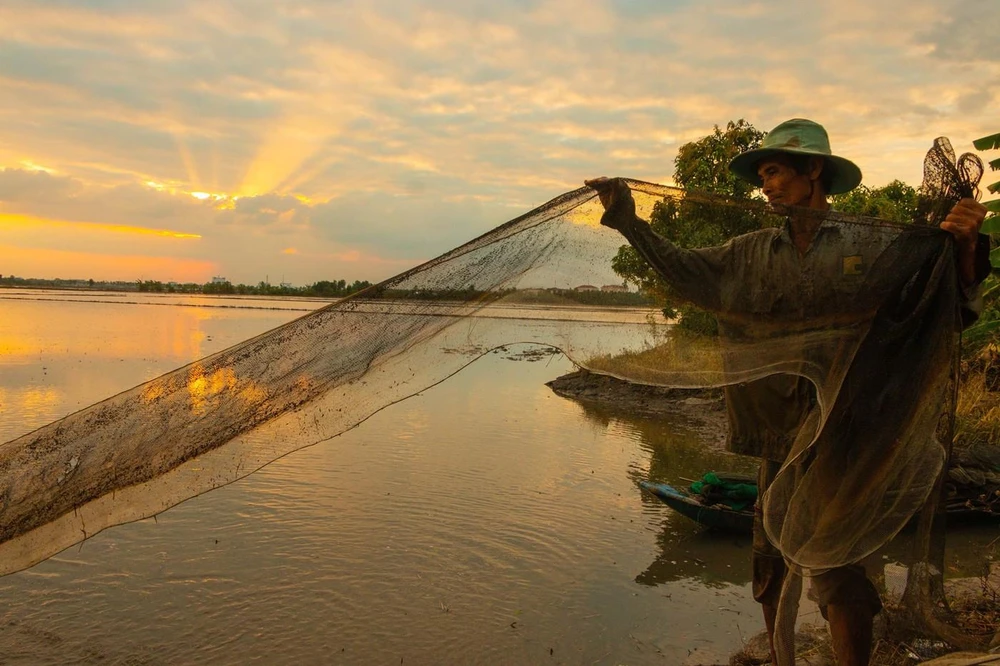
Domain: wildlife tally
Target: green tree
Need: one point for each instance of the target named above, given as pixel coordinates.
(218, 288)
(149, 285)
(896, 201)
(703, 165)
(700, 166)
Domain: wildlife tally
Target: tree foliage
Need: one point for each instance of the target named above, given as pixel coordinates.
(986, 331)
(896, 201)
(701, 166)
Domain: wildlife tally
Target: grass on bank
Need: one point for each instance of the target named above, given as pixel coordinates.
(977, 413)
(683, 358)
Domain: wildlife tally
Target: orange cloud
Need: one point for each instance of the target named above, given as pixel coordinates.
(16, 220)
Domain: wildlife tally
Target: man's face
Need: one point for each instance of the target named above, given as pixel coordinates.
(782, 184)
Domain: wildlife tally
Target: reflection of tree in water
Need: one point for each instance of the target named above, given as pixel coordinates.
(688, 550)
(680, 448)
(691, 552)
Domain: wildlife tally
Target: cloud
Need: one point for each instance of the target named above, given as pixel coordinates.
(968, 33)
(274, 212)
(34, 185)
(371, 133)
(415, 227)
(43, 195)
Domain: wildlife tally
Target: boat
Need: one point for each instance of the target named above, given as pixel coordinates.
(720, 517)
(714, 516)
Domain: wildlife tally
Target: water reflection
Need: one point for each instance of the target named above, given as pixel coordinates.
(58, 355)
(715, 560)
(484, 520)
(678, 451)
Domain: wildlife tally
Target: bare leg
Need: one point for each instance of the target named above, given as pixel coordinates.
(770, 614)
(851, 628)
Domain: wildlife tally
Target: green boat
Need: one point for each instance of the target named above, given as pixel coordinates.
(717, 516)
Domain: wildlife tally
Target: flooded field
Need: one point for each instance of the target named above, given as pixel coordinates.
(485, 520)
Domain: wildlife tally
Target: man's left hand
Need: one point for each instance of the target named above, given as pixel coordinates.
(964, 222)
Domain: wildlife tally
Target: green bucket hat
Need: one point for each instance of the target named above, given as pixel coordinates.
(798, 137)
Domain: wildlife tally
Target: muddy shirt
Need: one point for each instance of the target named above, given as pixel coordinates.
(762, 273)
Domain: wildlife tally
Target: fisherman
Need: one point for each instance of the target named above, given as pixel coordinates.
(794, 167)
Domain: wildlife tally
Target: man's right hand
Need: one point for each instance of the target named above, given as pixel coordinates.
(616, 197)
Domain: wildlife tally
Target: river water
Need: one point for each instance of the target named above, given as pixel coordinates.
(485, 520)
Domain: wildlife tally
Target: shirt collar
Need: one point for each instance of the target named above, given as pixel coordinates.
(827, 226)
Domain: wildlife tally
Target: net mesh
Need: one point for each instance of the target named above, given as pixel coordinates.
(871, 328)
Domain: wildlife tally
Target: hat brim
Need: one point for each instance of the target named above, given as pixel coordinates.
(846, 174)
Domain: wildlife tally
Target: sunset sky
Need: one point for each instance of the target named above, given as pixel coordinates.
(322, 139)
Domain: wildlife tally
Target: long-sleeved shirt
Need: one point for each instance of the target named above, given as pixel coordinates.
(763, 273)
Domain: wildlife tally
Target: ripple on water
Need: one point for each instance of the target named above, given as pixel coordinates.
(485, 521)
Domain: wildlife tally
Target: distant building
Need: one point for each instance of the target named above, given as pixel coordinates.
(219, 280)
(586, 287)
(614, 289)
(286, 285)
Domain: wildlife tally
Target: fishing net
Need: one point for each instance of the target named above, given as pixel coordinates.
(869, 327)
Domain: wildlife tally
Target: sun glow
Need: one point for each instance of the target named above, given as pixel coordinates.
(286, 154)
(17, 220)
(32, 166)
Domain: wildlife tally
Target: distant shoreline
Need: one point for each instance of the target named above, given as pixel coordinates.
(168, 294)
(553, 298)
(218, 286)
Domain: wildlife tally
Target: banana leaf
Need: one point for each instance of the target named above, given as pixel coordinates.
(995, 257)
(991, 142)
(992, 224)
(978, 332)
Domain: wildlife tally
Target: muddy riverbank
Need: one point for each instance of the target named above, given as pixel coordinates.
(972, 598)
(703, 409)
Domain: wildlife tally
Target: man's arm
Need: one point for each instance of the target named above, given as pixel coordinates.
(964, 222)
(695, 275)
(972, 253)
